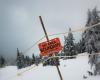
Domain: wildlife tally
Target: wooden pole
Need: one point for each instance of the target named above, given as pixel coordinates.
(44, 28)
(48, 41)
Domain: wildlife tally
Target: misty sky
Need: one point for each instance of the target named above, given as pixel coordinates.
(20, 26)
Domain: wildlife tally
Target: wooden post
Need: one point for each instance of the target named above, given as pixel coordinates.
(44, 28)
(48, 41)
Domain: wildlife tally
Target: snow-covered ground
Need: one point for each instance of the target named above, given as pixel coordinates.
(72, 69)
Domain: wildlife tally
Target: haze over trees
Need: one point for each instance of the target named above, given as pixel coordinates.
(89, 43)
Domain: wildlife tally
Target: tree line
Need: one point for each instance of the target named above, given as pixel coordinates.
(25, 61)
(90, 43)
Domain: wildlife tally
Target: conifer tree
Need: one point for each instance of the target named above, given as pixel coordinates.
(69, 47)
(2, 61)
(33, 59)
(91, 38)
(20, 61)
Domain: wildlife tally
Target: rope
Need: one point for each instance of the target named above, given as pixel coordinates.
(81, 29)
(32, 45)
(57, 56)
(20, 73)
(54, 56)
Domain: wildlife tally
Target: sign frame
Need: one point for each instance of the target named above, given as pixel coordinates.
(50, 47)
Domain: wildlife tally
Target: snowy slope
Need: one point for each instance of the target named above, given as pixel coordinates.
(72, 69)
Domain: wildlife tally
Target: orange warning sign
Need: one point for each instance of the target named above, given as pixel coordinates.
(53, 46)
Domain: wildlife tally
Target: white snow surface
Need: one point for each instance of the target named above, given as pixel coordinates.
(71, 69)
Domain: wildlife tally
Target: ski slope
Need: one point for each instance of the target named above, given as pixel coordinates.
(71, 69)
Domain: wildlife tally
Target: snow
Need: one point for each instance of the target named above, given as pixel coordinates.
(71, 69)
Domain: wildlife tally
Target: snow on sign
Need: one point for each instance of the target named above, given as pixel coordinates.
(50, 47)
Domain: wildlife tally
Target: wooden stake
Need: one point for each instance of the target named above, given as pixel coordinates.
(48, 41)
(44, 28)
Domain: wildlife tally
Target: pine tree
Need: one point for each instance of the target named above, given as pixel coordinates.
(2, 61)
(23, 59)
(77, 47)
(20, 60)
(69, 47)
(37, 60)
(28, 61)
(33, 59)
(91, 38)
(80, 46)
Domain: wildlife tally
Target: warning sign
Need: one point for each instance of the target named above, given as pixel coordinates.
(50, 47)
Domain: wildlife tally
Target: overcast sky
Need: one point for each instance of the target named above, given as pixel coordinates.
(20, 26)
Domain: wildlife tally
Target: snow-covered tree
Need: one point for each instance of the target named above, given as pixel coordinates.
(91, 38)
(33, 59)
(69, 47)
(20, 60)
(91, 35)
(2, 61)
(79, 47)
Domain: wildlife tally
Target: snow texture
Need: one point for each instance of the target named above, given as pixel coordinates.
(71, 69)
